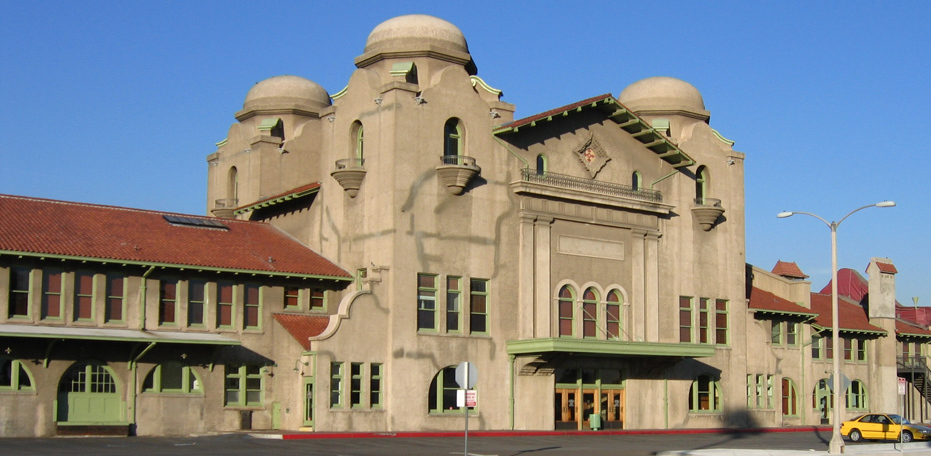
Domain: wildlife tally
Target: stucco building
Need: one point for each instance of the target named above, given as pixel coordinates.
(589, 260)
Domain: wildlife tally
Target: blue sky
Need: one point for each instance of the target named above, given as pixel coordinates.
(120, 102)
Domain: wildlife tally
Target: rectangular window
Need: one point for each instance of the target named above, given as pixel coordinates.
(336, 385)
(426, 302)
(224, 305)
(829, 347)
(478, 306)
(115, 298)
(356, 372)
(51, 295)
(861, 350)
(292, 298)
(453, 304)
(760, 386)
(196, 301)
(244, 385)
(685, 319)
(704, 310)
(317, 299)
(770, 389)
(792, 333)
(776, 333)
(19, 292)
(361, 275)
(375, 386)
(83, 296)
(252, 307)
(613, 320)
(848, 349)
(751, 388)
(721, 335)
(816, 351)
(168, 302)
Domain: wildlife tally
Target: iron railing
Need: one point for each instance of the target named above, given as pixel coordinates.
(590, 185)
(457, 160)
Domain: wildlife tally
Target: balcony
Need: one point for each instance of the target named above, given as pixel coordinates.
(349, 173)
(707, 211)
(456, 171)
(590, 185)
(223, 207)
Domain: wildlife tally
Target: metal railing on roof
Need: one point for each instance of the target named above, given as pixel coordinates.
(590, 185)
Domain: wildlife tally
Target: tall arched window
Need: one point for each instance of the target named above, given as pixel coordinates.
(541, 165)
(443, 390)
(613, 315)
(635, 180)
(452, 144)
(704, 395)
(566, 310)
(822, 399)
(701, 184)
(856, 396)
(358, 137)
(232, 185)
(590, 313)
(789, 397)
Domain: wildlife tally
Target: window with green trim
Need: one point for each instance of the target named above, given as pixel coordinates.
(776, 332)
(292, 298)
(821, 398)
(356, 378)
(856, 398)
(196, 301)
(566, 311)
(116, 298)
(168, 301)
(686, 334)
(789, 397)
(225, 313)
(173, 378)
(83, 296)
(14, 376)
(613, 315)
(51, 295)
(848, 348)
(375, 385)
(541, 165)
(245, 385)
(453, 304)
(705, 395)
(426, 302)
(443, 391)
(704, 320)
(252, 307)
(478, 306)
(721, 322)
(19, 292)
(452, 144)
(590, 313)
(816, 350)
(792, 333)
(861, 350)
(336, 385)
(317, 299)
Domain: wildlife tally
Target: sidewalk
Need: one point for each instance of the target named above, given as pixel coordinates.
(875, 449)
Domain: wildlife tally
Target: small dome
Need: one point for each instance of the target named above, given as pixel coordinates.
(284, 92)
(662, 93)
(413, 32)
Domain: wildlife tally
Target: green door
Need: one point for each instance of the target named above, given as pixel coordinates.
(88, 393)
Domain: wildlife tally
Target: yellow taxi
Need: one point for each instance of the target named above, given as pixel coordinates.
(881, 426)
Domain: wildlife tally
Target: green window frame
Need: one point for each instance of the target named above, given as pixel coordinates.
(318, 300)
(337, 374)
(704, 395)
(704, 320)
(452, 144)
(292, 298)
(566, 311)
(443, 392)
(792, 331)
(686, 333)
(15, 376)
(721, 322)
(822, 397)
(542, 165)
(116, 298)
(252, 307)
(361, 275)
(426, 302)
(88, 377)
(172, 378)
(776, 333)
(478, 306)
(168, 302)
(19, 295)
(848, 348)
(856, 397)
(453, 304)
(359, 137)
(356, 384)
(376, 386)
(226, 307)
(828, 347)
(245, 385)
(635, 180)
(861, 350)
(817, 352)
(613, 315)
(789, 397)
(196, 302)
(590, 313)
(308, 401)
(52, 304)
(84, 296)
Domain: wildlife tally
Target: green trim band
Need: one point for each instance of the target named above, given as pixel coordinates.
(274, 201)
(607, 347)
(849, 330)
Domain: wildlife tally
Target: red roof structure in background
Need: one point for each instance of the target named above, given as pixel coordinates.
(850, 284)
(765, 301)
(60, 229)
(303, 327)
(907, 328)
(788, 269)
(887, 268)
(852, 317)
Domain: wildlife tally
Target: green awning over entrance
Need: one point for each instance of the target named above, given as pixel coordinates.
(607, 348)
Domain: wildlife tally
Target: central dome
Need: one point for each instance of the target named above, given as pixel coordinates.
(662, 93)
(415, 32)
(286, 92)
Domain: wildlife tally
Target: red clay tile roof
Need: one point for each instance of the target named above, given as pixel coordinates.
(42, 227)
(906, 328)
(552, 112)
(768, 302)
(887, 268)
(788, 269)
(852, 316)
(290, 194)
(849, 283)
(303, 327)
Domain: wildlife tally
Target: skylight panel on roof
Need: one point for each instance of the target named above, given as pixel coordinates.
(190, 221)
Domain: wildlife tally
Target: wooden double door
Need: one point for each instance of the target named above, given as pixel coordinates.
(574, 408)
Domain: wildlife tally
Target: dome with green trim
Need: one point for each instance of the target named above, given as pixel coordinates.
(286, 92)
(663, 94)
(415, 32)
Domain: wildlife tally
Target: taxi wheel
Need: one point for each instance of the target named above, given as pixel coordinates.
(855, 436)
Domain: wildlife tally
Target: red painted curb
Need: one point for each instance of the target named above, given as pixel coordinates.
(428, 434)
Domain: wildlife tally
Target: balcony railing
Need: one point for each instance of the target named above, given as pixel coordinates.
(350, 163)
(707, 202)
(458, 160)
(590, 185)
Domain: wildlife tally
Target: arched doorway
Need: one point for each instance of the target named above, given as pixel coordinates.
(89, 393)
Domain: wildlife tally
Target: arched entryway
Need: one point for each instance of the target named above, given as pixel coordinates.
(89, 393)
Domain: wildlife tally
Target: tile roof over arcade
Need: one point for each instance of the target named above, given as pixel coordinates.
(851, 316)
(35, 227)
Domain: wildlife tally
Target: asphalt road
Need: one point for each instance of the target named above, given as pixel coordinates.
(574, 445)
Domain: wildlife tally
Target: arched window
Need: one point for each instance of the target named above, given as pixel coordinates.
(452, 144)
(232, 185)
(613, 315)
(822, 399)
(701, 184)
(635, 180)
(789, 397)
(566, 309)
(856, 396)
(172, 378)
(14, 376)
(541, 165)
(590, 313)
(705, 395)
(358, 137)
(443, 390)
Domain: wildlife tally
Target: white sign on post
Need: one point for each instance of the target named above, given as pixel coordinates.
(902, 386)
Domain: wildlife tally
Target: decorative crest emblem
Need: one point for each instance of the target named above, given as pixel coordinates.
(592, 156)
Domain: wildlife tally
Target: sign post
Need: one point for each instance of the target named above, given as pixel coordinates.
(466, 376)
(903, 386)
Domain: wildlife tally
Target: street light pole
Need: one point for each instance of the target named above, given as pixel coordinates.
(837, 441)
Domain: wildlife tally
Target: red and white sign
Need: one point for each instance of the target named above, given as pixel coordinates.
(466, 398)
(902, 386)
